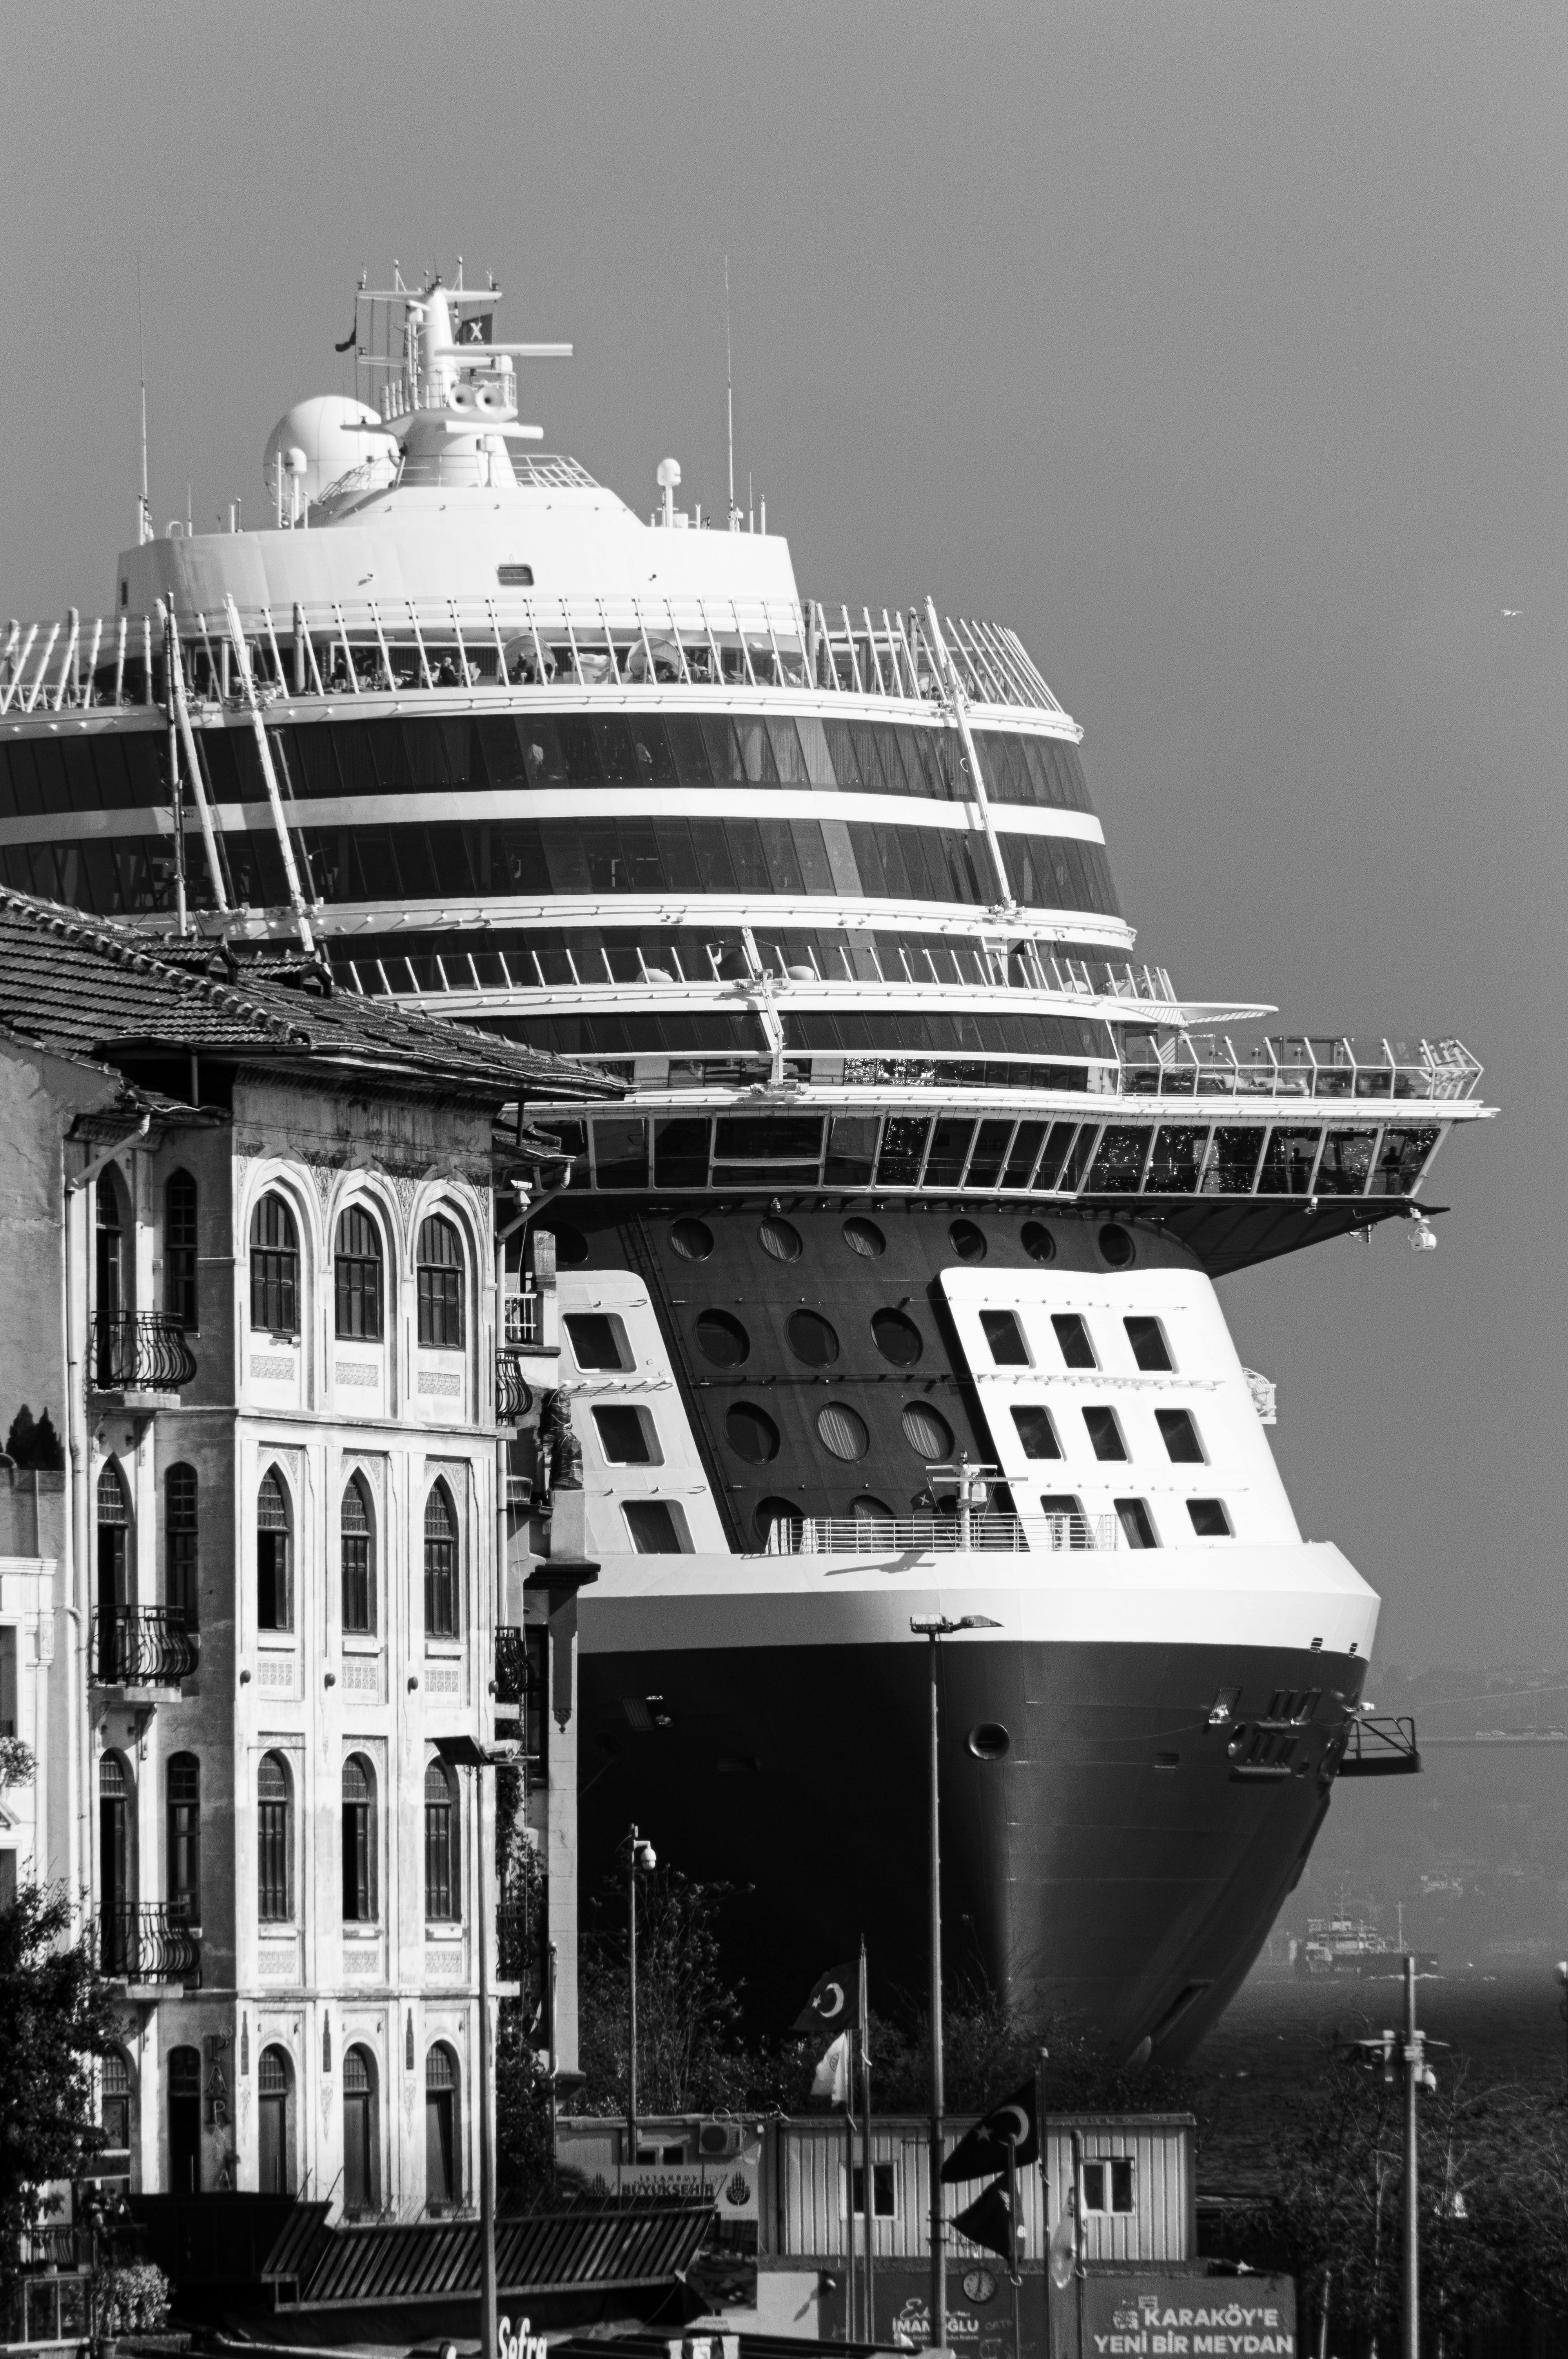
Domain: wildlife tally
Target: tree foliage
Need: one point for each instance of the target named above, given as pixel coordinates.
(56, 2014)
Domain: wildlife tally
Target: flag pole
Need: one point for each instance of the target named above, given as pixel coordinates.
(1014, 2277)
(849, 2182)
(870, 2177)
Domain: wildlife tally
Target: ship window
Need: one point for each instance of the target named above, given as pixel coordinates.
(1038, 1242)
(897, 1338)
(774, 1511)
(1210, 1520)
(1074, 1338)
(1068, 1528)
(967, 1240)
(1181, 1435)
(1108, 2186)
(1149, 1348)
(1005, 1336)
(657, 1527)
(1116, 1245)
(1105, 1433)
(869, 1510)
(722, 1338)
(626, 1436)
(812, 1339)
(927, 1431)
(596, 1339)
(864, 1237)
(514, 577)
(1137, 1524)
(692, 1240)
(1037, 1433)
(752, 1434)
(843, 1432)
(780, 1238)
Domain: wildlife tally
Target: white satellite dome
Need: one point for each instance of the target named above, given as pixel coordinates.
(329, 434)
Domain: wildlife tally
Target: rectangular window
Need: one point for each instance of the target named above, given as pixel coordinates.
(274, 1604)
(883, 2190)
(357, 1909)
(1108, 2186)
(1074, 1338)
(1105, 1433)
(1149, 1348)
(1210, 1521)
(1037, 1433)
(1005, 1336)
(597, 1339)
(626, 1436)
(1137, 1524)
(1181, 1435)
(179, 1250)
(440, 1885)
(272, 1862)
(657, 1528)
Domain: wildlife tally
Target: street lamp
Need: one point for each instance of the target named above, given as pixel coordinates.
(1562, 1978)
(935, 1629)
(641, 1860)
(466, 1753)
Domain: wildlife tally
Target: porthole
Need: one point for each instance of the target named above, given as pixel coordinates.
(867, 1510)
(812, 1339)
(722, 1338)
(864, 1237)
(967, 1241)
(1117, 1248)
(842, 1432)
(775, 1511)
(752, 1435)
(692, 1240)
(780, 1238)
(1037, 1241)
(571, 1247)
(927, 1430)
(989, 1741)
(897, 1338)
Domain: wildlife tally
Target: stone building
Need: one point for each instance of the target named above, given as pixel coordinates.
(254, 1236)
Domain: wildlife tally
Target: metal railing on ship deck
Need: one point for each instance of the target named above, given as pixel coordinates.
(877, 1535)
(1293, 1065)
(352, 649)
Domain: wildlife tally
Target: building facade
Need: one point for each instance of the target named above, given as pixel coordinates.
(265, 1308)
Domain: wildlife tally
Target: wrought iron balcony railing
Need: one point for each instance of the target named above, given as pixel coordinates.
(140, 1352)
(143, 1646)
(148, 1941)
(511, 1670)
(513, 1394)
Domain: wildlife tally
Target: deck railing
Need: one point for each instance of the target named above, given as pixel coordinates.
(140, 1352)
(402, 647)
(1293, 1065)
(143, 1646)
(148, 1941)
(879, 1536)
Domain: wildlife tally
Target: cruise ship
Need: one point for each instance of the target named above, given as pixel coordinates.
(885, 1284)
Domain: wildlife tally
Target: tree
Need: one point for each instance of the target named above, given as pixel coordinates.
(56, 2014)
(689, 2056)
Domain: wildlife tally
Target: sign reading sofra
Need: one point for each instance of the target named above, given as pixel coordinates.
(1136, 2316)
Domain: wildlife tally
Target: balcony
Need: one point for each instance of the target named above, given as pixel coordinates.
(1381, 1747)
(147, 1943)
(513, 1394)
(523, 1329)
(140, 1352)
(922, 1534)
(142, 1647)
(510, 1671)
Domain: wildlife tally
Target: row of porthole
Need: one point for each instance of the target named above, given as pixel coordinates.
(692, 1240)
(723, 1340)
(842, 1432)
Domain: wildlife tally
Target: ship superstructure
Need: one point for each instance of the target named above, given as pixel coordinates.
(887, 1286)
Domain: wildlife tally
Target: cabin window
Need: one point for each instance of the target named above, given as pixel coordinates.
(1150, 1349)
(1105, 1432)
(1181, 1435)
(1074, 1338)
(1137, 1524)
(1037, 1433)
(1005, 1337)
(1210, 1518)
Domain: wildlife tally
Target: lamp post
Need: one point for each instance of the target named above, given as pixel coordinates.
(935, 1629)
(1562, 2001)
(466, 1753)
(641, 1860)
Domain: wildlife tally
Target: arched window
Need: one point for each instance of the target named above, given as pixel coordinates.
(180, 1584)
(358, 1538)
(443, 2182)
(274, 1841)
(357, 1269)
(440, 1277)
(275, 1555)
(442, 1896)
(440, 1564)
(116, 1649)
(359, 1841)
(275, 1267)
(274, 2084)
(360, 2143)
(180, 1249)
(185, 1835)
(113, 2160)
(184, 2074)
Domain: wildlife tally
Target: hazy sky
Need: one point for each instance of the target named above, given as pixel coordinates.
(1220, 348)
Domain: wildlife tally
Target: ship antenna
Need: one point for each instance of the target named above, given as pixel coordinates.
(729, 392)
(144, 518)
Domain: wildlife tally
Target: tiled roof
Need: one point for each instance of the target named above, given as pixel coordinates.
(92, 989)
(585, 2245)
